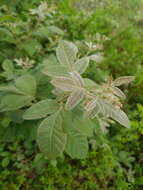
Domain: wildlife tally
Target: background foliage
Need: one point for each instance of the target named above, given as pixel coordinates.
(26, 41)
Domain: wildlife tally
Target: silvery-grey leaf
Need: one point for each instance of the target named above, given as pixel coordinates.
(63, 83)
(120, 116)
(81, 65)
(104, 125)
(77, 79)
(66, 53)
(73, 47)
(103, 106)
(57, 92)
(100, 106)
(75, 97)
(96, 57)
(118, 92)
(123, 80)
(91, 105)
(92, 108)
(93, 113)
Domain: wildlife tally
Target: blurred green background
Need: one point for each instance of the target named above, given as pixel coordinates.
(115, 161)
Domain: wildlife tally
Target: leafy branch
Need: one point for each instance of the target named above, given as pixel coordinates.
(67, 119)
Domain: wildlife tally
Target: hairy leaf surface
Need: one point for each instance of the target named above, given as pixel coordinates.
(74, 99)
(66, 53)
(63, 83)
(123, 80)
(120, 116)
(118, 92)
(77, 79)
(81, 65)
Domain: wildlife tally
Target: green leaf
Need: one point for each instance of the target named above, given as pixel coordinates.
(8, 65)
(47, 31)
(11, 89)
(66, 53)
(55, 70)
(78, 122)
(50, 60)
(8, 69)
(83, 125)
(6, 35)
(42, 32)
(27, 84)
(41, 109)
(16, 116)
(14, 102)
(5, 162)
(31, 47)
(51, 138)
(77, 145)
